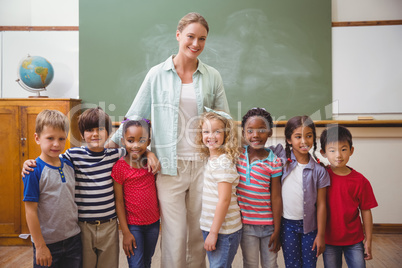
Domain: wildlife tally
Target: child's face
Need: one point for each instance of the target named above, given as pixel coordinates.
(256, 132)
(52, 142)
(213, 135)
(338, 153)
(136, 140)
(96, 138)
(302, 140)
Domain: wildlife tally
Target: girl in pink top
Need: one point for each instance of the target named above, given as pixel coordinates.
(136, 199)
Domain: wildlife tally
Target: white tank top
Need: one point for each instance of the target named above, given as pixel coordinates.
(187, 124)
(292, 194)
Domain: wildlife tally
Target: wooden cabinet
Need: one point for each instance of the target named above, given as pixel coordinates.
(17, 144)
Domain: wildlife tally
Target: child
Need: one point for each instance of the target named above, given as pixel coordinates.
(51, 213)
(304, 183)
(259, 192)
(136, 198)
(349, 193)
(220, 215)
(94, 192)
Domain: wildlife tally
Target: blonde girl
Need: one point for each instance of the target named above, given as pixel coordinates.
(220, 215)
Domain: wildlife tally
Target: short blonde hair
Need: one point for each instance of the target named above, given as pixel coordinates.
(192, 17)
(51, 118)
(230, 144)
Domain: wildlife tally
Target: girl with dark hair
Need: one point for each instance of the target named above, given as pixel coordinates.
(304, 183)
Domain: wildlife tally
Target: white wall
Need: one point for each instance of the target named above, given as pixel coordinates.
(366, 10)
(60, 48)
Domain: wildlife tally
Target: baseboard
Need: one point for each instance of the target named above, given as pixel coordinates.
(385, 228)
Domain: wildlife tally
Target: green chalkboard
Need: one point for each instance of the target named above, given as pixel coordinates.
(270, 53)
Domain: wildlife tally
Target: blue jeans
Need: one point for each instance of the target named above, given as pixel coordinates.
(146, 237)
(66, 253)
(254, 245)
(226, 249)
(296, 245)
(354, 256)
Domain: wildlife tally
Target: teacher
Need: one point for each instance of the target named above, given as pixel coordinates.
(173, 95)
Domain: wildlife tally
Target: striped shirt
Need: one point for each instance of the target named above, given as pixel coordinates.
(94, 193)
(254, 189)
(219, 170)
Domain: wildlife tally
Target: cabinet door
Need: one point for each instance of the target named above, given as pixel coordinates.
(10, 170)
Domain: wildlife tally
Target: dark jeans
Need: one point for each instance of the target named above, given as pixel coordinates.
(66, 253)
(146, 237)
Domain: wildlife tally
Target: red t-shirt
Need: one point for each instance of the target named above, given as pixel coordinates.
(139, 189)
(346, 196)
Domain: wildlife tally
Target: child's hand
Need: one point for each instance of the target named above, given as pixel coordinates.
(129, 244)
(319, 242)
(367, 251)
(274, 243)
(43, 256)
(28, 167)
(153, 163)
(210, 242)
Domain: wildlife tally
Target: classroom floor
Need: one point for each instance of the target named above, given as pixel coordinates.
(387, 252)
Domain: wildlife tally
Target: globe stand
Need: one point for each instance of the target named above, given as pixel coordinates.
(33, 90)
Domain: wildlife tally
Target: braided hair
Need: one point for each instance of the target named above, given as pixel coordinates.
(294, 123)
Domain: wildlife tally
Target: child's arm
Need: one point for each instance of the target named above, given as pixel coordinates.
(224, 196)
(368, 231)
(319, 241)
(276, 200)
(128, 238)
(153, 162)
(43, 255)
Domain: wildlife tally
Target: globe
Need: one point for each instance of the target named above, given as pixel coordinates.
(35, 74)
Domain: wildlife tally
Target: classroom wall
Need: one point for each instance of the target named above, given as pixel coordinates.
(376, 149)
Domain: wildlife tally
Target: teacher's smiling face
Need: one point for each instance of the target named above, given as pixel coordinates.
(192, 40)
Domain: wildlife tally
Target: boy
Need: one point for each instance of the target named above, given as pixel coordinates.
(51, 213)
(94, 192)
(349, 192)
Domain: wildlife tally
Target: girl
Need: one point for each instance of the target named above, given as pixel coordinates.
(304, 183)
(136, 200)
(174, 93)
(220, 215)
(259, 192)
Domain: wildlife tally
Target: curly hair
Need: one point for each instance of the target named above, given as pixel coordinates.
(230, 144)
(258, 112)
(145, 124)
(294, 123)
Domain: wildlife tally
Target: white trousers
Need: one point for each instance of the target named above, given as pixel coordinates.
(180, 199)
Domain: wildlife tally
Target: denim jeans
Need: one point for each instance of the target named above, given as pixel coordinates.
(354, 256)
(254, 245)
(66, 253)
(146, 237)
(226, 249)
(296, 245)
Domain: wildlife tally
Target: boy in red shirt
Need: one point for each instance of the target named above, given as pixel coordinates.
(349, 195)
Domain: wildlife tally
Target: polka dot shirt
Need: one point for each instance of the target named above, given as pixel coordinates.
(139, 189)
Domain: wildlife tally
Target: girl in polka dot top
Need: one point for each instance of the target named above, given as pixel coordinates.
(136, 199)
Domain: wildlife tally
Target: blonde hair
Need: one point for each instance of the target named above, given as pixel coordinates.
(192, 17)
(51, 118)
(230, 144)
